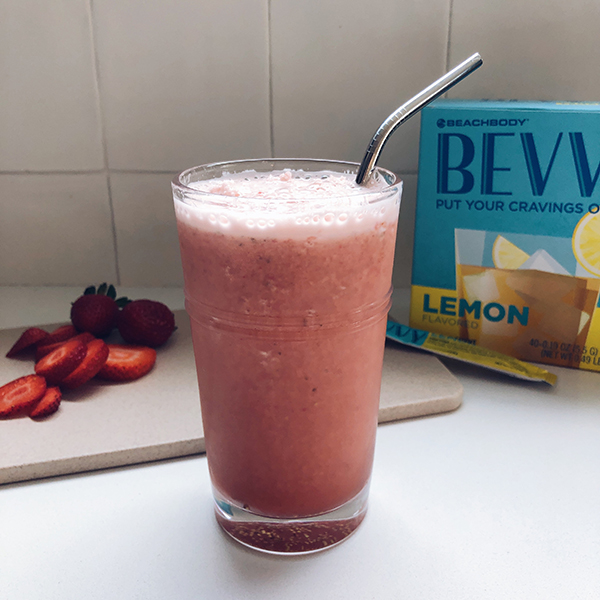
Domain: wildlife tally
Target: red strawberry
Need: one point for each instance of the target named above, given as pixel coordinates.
(96, 314)
(30, 337)
(96, 311)
(60, 362)
(48, 404)
(86, 337)
(96, 355)
(41, 351)
(146, 322)
(61, 334)
(126, 363)
(18, 396)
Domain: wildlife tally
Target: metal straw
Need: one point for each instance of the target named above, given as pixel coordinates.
(410, 108)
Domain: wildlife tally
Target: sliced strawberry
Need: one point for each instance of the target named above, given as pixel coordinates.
(18, 396)
(41, 351)
(84, 337)
(30, 337)
(61, 334)
(126, 363)
(60, 362)
(48, 404)
(96, 355)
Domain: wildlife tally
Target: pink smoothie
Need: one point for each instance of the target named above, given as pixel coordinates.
(288, 300)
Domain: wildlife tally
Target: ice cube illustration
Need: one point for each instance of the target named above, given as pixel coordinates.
(481, 287)
(540, 260)
(499, 328)
(585, 317)
(468, 246)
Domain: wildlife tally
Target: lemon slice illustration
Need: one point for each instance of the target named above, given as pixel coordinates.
(506, 255)
(586, 243)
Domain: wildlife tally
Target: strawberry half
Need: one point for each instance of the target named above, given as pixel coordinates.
(60, 362)
(146, 322)
(126, 363)
(30, 337)
(48, 404)
(41, 351)
(95, 357)
(18, 396)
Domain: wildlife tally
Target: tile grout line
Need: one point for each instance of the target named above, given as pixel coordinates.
(270, 70)
(124, 172)
(55, 172)
(96, 68)
(91, 172)
(450, 11)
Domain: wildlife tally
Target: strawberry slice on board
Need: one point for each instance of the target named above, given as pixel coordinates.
(41, 351)
(29, 338)
(60, 334)
(126, 363)
(95, 358)
(48, 404)
(20, 395)
(60, 362)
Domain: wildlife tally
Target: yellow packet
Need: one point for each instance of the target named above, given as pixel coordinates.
(453, 348)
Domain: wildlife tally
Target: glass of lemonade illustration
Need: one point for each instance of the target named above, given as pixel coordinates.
(518, 294)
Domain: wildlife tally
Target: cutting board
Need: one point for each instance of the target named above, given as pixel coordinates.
(105, 425)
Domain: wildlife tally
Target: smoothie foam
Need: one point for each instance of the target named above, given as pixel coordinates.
(287, 203)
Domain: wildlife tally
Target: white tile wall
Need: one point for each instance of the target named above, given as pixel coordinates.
(93, 91)
(49, 116)
(183, 82)
(55, 229)
(146, 230)
(533, 49)
(339, 71)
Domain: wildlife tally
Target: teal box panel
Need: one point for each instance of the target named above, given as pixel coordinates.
(514, 167)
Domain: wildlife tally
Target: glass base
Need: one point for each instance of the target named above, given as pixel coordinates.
(302, 535)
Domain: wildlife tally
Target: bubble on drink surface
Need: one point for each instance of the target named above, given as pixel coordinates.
(287, 184)
(288, 203)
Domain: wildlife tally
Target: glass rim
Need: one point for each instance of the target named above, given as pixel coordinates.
(352, 168)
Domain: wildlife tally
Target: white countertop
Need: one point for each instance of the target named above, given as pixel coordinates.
(500, 499)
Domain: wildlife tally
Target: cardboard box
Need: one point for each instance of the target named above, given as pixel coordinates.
(507, 234)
